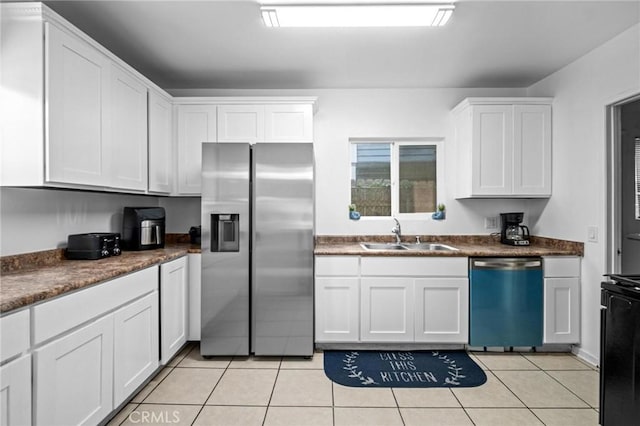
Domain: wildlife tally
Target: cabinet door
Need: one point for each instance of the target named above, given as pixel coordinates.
(74, 376)
(532, 150)
(561, 310)
(15, 392)
(387, 310)
(442, 310)
(492, 149)
(160, 143)
(128, 131)
(241, 123)
(135, 346)
(196, 124)
(77, 107)
(288, 123)
(195, 295)
(173, 308)
(337, 306)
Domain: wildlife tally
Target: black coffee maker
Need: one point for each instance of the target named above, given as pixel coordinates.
(512, 232)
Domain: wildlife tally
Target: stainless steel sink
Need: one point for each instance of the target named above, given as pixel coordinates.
(407, 246)
(382, 246)
(429, 246)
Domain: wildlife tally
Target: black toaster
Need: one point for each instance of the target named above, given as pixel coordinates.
(93, 246)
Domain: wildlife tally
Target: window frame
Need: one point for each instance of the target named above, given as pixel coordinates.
(395, 144)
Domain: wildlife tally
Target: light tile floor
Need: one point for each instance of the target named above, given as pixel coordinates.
(522, 389)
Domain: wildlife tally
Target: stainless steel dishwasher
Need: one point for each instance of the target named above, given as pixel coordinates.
(506, 302)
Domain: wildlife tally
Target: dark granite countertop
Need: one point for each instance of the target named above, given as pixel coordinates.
(35, 277)
(467, 245)
(31, 278)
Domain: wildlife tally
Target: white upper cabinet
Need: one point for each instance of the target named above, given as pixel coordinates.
(77, 108)
(503, 147)
(265, 123)
(240, 123)
(532, 150)
(196, 124)
(128, 145)
(78, 116)
(229, 120)
(160, 143)
(288, 123)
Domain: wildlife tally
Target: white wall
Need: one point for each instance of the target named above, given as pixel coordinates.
(344, 114)
(181, 213)
(33, 219)
(581, 92)
(40, 219)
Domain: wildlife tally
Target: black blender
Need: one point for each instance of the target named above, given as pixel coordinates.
(512, 232)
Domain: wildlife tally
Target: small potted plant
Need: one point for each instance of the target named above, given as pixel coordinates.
(353, 214)
(440, 213)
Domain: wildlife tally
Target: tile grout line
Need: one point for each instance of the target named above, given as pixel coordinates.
(273, 389)
(333, 402)
(398, 407)
(572, 392)
(545, 372)
(212, 390)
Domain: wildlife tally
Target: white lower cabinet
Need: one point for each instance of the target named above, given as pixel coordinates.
(387, 310)
(561, 300)
(337, 309)
(386, 299)
(173, 308)
(195, 297)
(92, 349)
(135, 346)
(74, 376)
(15, 392)
(441, 310)
(337, 299)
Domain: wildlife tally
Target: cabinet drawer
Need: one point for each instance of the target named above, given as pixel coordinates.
(415, 266)
(14, 334)
(562, 266)
(343, 266)
(67, 312)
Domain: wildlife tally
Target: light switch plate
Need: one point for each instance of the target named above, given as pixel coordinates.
(592, 234)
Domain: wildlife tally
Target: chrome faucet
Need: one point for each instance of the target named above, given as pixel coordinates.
(397, 230)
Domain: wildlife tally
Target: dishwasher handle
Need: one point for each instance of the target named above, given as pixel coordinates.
(506, 263)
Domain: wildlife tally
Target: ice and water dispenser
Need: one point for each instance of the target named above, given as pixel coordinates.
(225, 232)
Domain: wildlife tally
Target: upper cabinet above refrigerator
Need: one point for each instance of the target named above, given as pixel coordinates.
(265, 123)
(503, 147)
(236, 120)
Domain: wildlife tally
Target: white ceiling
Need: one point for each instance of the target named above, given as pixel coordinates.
(224, 45)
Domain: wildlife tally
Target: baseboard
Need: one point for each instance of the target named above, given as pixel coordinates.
(586, 356)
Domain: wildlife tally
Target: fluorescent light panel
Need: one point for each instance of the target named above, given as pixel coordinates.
(372, 15)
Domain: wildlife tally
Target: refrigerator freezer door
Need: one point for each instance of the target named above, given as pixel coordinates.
(225, 274)
(282, 284)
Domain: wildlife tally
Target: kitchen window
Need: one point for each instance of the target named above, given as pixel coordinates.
(391, 178)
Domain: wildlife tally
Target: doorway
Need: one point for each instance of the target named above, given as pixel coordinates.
(625, 174)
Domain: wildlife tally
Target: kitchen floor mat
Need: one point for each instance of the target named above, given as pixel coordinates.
(403, 369)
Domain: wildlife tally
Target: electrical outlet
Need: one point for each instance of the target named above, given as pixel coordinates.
(592, 234)
(491, 222)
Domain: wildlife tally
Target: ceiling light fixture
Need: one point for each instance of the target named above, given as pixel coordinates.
(356, 15)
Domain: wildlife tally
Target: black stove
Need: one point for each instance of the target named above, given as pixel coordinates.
(627, 284)
(620, 350)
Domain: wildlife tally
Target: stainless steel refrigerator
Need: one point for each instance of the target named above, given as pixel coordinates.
(257, 249)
